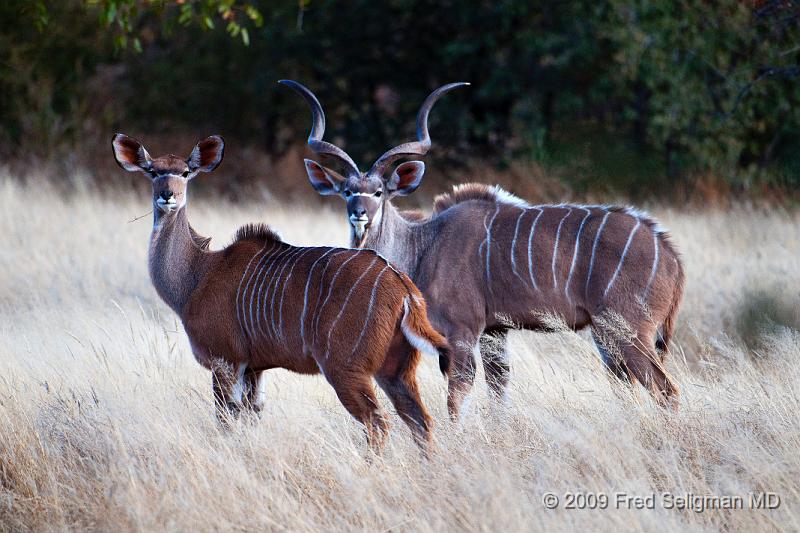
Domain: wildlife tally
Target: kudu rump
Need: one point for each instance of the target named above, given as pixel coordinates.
(261, 303)
(486, 259)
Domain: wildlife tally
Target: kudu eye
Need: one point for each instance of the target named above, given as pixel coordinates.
(348, 193)
(378, 194)
(186, 174)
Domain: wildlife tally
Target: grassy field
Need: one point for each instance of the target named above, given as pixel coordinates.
(106, 420)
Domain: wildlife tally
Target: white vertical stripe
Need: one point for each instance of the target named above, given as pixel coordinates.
(290, 258)
(239, 304)
(286, 284)
(594, 250)
(514, 244)
(258, 272)
(305, 297)
(530, 241)
(483, 242)
(254, 275)
(622, 258)
(655, 265)
(369, 310)
(344, 305)
(321, 288)
(263, 275)
(247, 286)
(575, 254)
(555, 248)
(272, 290)
(319, 309)
(489, 247)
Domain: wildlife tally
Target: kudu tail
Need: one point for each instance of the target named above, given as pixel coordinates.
(420, 333)
(668, 328)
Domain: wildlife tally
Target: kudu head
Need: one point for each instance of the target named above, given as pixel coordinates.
(169, 174)
(366, 192)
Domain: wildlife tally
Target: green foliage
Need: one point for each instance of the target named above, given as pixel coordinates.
(621, 95)
(122, 16)
(43, 66)
(714, 81)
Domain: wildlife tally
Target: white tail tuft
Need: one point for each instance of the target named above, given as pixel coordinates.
(415, 340)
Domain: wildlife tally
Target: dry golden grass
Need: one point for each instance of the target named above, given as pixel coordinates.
(106, 420)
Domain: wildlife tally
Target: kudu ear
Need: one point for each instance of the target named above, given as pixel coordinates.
(324, 180)
(207, 154)
(406, 178)
(130, 154)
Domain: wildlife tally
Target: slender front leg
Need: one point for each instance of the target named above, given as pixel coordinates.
(255, 386)
(227, 383)
(462, 372)
(495, 362)
(357, 394)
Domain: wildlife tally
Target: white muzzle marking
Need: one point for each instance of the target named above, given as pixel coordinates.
(166, 205)
(359, 225)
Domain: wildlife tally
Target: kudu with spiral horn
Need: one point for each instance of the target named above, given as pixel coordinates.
(487, 261)
(261, 303)
(365, 192)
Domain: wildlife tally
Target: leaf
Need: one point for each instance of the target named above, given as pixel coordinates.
(254, 14)
(186, 15)
(111, 13)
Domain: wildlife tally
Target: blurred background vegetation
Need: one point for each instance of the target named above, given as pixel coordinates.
(678, 100)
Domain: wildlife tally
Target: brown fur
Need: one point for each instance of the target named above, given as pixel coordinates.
(463, 193)
(261, 303)
(311, 345)
(466, 257)
(470, 259)
(413, 215)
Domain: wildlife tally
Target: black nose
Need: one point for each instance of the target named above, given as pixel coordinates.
(166, 195)
(361, 212)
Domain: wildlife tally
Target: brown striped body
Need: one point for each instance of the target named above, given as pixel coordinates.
(261, 303)
(302, 309)
(551, 268)
(486, 261)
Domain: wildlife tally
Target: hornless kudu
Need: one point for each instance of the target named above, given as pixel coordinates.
(261, 303)
(486, 259)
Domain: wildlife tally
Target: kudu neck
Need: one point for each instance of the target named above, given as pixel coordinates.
(176, 262)
(397, 239)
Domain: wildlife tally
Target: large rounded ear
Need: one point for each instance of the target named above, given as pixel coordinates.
(406, 178)
(324, 180)
(207, 154)
(130, 154)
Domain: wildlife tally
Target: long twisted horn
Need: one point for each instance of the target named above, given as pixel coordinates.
(423, 142)
(315, 141)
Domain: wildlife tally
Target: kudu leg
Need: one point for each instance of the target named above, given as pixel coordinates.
(357, 394)
(255, 394)
(643, 361)
(461, 375)
(611, 356)
(398, 379)
(405, 397)
(495, 362)
(227, 384)
(638, 358)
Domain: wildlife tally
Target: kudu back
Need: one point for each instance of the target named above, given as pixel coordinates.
(261, 303)
(487, 261)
